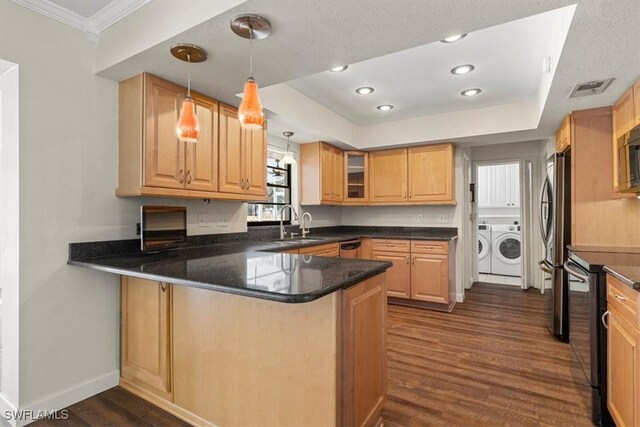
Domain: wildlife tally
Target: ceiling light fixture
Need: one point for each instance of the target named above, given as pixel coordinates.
(453, 39)
(339, 68)
(462, 69)
(470, 92)
(252, 27)
(385, 107)
(365, 90)
(288, 158)
(188, 128)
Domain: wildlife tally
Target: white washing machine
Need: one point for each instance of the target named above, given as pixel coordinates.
(484, 248)
(506, 250)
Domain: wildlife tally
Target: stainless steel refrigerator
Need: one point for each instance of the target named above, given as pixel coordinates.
(555, 227)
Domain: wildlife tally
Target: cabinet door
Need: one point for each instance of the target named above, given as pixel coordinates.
(398, 276)
(483, 186)
(430, 278)
(431, 173)
(202, 156)
(356, 176)
(255, 161)
(388, 175)
(636, 103)
(163, 152)
(500, 188)
(623, 119)
(326, 173)
(337, 172)
(364, 344)
(231, 177)
(514, 185)
(146, 335)
(622, 371)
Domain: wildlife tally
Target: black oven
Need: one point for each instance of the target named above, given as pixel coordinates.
(629, 161)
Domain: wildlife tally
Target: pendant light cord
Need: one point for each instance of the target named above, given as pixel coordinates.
(250, 49)
(189, 74)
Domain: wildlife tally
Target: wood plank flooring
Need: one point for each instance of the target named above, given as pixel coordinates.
(491, 362)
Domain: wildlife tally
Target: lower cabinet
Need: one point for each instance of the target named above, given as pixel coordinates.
(146, 335)
(329, 250)
(422, 272)
(623, 354)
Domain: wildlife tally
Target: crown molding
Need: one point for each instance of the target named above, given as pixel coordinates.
(114, 12)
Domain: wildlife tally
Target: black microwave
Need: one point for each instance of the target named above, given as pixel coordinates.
(629, 161)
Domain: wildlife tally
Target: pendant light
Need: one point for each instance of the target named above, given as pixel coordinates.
(252, 27)
(188, 128)
(288, 158)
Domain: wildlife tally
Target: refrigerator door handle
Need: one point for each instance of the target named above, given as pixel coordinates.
(544, 267)
(545, 189)
(582, 277)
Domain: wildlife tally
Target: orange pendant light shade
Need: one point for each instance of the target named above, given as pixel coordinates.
(188, 128)
(250, 112)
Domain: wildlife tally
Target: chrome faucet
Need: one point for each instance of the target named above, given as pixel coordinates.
(295, 216)
(304, 227)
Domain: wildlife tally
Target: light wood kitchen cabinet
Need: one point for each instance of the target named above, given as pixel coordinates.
(243, 156)
(398, 276)
(356, 177)
(153, 162)
(146, 336)
(563, 135)
(430, 278)
(636, 103)
(431, 173)
(321, 174)
(327, 250)
(364, 358)
(388, 176)
(623, 354)
(623, 114)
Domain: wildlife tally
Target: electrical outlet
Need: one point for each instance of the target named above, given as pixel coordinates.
(443, 219)
(420, 218)
(223, 221)
(203, 220)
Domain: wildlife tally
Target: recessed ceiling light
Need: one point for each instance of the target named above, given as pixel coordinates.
(470, 92)
(385, 107)
(462, 69)
(365, 90)
(454, 38)
(338, 69)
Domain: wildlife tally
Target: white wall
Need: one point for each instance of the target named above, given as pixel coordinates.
(514, 150)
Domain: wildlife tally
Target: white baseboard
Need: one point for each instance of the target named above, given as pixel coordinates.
(69, 396)
(7, 406)
(460, 297)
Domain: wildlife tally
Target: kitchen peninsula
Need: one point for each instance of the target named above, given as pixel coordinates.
(231, 334)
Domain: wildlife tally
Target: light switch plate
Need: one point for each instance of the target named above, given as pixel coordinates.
(203, 220)
(420, 218)
(223, 221)
(444, 219)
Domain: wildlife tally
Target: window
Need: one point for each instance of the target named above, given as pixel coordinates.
(278, 193)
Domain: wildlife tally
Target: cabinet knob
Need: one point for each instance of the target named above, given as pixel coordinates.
(242, 183)
(620, 297)
(181, 176)
(163, 286)
(188, 177)
(248, 184)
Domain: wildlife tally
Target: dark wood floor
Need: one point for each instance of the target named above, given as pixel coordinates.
(489, 363)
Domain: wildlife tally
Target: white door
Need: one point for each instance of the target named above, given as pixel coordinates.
(514, 185)
(500, 186)
(483, 186)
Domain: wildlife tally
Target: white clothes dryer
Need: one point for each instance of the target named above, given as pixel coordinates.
(506, 250)
(484, 248)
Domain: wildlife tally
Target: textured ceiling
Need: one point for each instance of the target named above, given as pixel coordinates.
(310, 37)
(84, 8)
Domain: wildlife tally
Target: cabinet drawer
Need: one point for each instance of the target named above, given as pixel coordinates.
(328, 250)
(429, 247)
(390, 245)
(624, 299)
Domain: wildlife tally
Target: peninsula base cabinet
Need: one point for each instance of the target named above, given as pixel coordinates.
(422, 274)
(212, 358)
(623, 352)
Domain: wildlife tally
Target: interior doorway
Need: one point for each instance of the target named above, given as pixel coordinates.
(502, 214)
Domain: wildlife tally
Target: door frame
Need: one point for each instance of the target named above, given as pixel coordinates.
(529, 171)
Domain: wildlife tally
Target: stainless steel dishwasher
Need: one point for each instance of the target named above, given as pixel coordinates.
(350, 249)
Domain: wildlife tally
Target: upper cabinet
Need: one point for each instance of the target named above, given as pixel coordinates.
(636, 103)
(321, 174)
(498, 186)
(626, 115)
(243, 156)
(431, 173)
(356, 177)
(153, 162)
(563, 135)
(388, 176)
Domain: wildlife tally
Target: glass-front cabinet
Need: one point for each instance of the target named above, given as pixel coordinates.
(357, 176)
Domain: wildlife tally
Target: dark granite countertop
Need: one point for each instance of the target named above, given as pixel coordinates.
(623, 263)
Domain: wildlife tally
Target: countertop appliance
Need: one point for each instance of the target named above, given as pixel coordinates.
(587, 305)
(555, 227)
(506, 250)
(484, 248)
(629, 161)
(162, 227)
(350, 249)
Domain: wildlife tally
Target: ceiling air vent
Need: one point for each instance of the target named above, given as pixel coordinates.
(590, 88)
